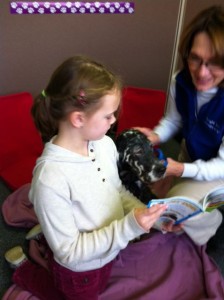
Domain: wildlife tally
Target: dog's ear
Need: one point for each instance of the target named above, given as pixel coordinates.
(121, 143)
(120, 158)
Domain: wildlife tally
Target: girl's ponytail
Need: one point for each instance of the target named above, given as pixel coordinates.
(43, 120)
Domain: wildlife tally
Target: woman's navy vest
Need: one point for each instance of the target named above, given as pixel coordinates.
(203, 130)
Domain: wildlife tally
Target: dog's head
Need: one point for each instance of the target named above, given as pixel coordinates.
(137, 154)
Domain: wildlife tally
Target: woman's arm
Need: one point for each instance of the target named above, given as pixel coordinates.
(169, 125)
(212, 169)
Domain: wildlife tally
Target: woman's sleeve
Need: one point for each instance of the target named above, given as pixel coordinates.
(170, 124)
(212, 169)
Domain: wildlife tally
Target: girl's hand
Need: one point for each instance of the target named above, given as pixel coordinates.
(174, 168)
(170, 227)
(151, 135)
(146, 217)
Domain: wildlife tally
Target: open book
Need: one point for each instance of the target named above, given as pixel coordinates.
(181, 208)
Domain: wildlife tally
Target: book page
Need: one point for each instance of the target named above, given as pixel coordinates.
(214, 199)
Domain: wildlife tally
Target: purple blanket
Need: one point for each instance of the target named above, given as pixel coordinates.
(169, 266)
(160, 267)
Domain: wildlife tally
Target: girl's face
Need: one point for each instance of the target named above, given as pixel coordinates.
(97, 124)
(204, 70)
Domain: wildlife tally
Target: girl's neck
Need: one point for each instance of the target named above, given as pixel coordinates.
(74, 144)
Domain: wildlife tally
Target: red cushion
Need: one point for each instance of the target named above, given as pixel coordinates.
(21, 143)
(19, 173)
(141, 107)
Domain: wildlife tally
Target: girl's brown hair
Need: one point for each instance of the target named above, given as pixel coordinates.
(77, 84)
(210, 21)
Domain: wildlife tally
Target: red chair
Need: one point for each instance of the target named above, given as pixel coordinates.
(21, 143)
(140, 107)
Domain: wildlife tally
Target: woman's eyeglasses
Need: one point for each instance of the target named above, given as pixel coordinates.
(196, 62)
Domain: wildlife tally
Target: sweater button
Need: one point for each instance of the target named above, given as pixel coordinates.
(98, 169)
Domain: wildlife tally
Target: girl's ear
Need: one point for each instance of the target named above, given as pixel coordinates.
(77, 119)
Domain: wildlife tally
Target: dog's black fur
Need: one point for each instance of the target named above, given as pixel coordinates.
(138, 165)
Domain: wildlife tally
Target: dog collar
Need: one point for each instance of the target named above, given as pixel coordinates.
(160, 155)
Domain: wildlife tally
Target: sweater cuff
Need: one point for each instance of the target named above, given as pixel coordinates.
(190, 170)
(139, 228)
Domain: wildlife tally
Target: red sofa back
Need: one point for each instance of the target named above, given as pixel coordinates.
(21, 143)
(140, 107)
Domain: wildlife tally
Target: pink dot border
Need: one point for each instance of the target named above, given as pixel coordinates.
(45, 7)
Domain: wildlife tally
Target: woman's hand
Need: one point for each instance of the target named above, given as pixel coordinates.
(146, 217)
(174, 168)
(151, 135)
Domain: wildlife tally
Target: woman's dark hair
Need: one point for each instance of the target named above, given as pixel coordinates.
(210, 21)
(77, 84)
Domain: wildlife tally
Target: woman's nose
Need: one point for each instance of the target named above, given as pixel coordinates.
(203, 70)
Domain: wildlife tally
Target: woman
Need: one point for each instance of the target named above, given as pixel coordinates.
(196, 108)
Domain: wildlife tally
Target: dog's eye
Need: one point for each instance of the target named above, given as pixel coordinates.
(138, 151)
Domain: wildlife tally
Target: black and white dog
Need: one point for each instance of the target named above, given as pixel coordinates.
(138, 164)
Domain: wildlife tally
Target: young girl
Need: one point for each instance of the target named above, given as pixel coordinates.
(85, 213)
